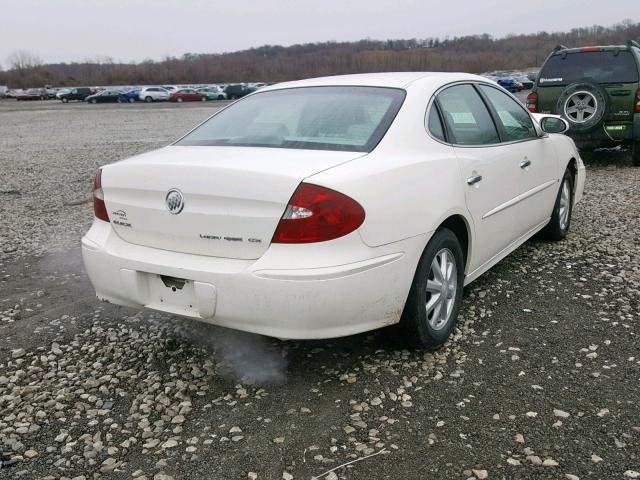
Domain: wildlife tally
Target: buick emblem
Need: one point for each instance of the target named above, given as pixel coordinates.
(174, 201)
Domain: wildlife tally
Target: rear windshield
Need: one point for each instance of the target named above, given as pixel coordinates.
(600, 67)
(317, 118)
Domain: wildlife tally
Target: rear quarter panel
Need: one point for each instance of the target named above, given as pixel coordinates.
(408, 184)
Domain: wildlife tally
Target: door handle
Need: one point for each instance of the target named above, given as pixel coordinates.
(525, 163)
(474, 179)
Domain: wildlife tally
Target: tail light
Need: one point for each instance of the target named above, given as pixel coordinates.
(532, 102)
(99, 208)
(318, 214)
(638, 101)
(590, 49)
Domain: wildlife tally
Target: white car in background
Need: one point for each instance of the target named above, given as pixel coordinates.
(153, 94)
(332, 206)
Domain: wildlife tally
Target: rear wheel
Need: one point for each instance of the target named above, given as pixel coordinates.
(434, 300)
(148, 99)
(179, 99)
(65, 99)
(93, 100)
(560, 221)
(132, 100)
(635, 154)
(203, 99)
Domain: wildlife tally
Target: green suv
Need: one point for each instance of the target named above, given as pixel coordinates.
(597, 90)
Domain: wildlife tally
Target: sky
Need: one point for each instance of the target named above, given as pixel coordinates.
(134, 30)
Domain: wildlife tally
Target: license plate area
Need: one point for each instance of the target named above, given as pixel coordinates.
(173, 294)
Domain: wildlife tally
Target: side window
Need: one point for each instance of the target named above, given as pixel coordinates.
(515, 121)
(467, 116)
(434, 124)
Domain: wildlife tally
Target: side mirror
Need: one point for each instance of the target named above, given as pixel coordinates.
(554, 125)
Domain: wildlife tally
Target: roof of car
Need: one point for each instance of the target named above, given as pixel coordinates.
(387, 79)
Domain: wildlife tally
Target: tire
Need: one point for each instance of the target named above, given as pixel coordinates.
(65, 100)
(148, 99)
(119, 100)
(203, 99)
(635, 153)
(583, 97)
(132, 100)
(220, 97)
(93, 100)
(421, 326)
(179, 99)
(560, 221)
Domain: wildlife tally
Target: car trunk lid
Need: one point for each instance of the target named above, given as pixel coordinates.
(233, 197)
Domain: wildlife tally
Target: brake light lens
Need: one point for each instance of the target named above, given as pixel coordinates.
(532, 102)
(590, 49)
(318, 214)
(638, 101)
(99, 207)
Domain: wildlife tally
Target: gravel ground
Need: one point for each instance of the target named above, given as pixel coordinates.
(540, 380)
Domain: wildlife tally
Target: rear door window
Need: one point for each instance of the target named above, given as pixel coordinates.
(598, 67)
(434, 124)
(467, 117)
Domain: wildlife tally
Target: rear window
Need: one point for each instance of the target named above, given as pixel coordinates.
(600, 67)
(316, 118)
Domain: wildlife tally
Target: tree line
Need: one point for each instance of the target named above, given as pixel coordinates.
(273, 63)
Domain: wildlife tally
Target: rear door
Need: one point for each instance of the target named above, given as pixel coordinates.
(489, 172)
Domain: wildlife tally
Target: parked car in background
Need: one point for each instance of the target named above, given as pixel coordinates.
(33, 94)
(188, 95)
(105, 96)
(509, 84)
(61, 92)
(527, 83)
(170, 88)
(131, 96)
(212, 93)
(238, 90)
(14, 92)
(3, 91)
(378, 198)
(153, 94)
(76, 94)
(597, 90)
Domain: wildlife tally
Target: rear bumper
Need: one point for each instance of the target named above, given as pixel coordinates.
(292, 291)
(609, 134)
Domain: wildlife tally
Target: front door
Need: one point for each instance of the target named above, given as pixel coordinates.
(533, 154)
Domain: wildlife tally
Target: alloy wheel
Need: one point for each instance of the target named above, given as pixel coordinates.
(580, 107)
(565, 204)
(442, 285)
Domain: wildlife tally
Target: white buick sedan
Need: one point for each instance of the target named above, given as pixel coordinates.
(332, 206)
